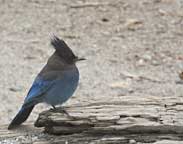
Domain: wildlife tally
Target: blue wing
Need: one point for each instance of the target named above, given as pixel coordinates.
(39, 87)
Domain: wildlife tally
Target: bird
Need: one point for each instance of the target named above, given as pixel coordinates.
(55, 83)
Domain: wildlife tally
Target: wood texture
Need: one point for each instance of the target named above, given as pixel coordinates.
(151, 116)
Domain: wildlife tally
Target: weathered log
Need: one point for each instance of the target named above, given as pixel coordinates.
(153, 117)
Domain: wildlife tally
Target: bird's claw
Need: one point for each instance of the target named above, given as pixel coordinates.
(61, 110)
(66, 113)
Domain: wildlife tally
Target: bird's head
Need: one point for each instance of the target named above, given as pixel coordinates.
(63, 50)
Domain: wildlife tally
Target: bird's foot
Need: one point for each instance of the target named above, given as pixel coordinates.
(61, 110)
(53, 109)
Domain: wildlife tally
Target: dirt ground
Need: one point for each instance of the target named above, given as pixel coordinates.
(132, 48)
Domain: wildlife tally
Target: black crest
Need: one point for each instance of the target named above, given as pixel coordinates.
(63, 49)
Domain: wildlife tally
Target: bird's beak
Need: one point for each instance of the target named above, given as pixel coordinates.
(80, 59)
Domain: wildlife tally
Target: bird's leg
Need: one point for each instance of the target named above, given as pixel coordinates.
(53, 109)
(62, 110)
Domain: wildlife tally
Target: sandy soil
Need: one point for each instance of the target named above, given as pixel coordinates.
(132, 47)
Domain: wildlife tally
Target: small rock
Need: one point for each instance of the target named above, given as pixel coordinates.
(13, 89)
(162, 12)
(105, 19)
(141, 62)
(155, 62)
(132, 23)
(147, 57)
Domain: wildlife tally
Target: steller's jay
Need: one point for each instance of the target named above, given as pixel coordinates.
(55, 84)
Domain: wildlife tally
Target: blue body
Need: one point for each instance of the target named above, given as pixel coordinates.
(55, 91)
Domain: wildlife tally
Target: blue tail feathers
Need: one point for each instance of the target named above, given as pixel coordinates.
(22, 116)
